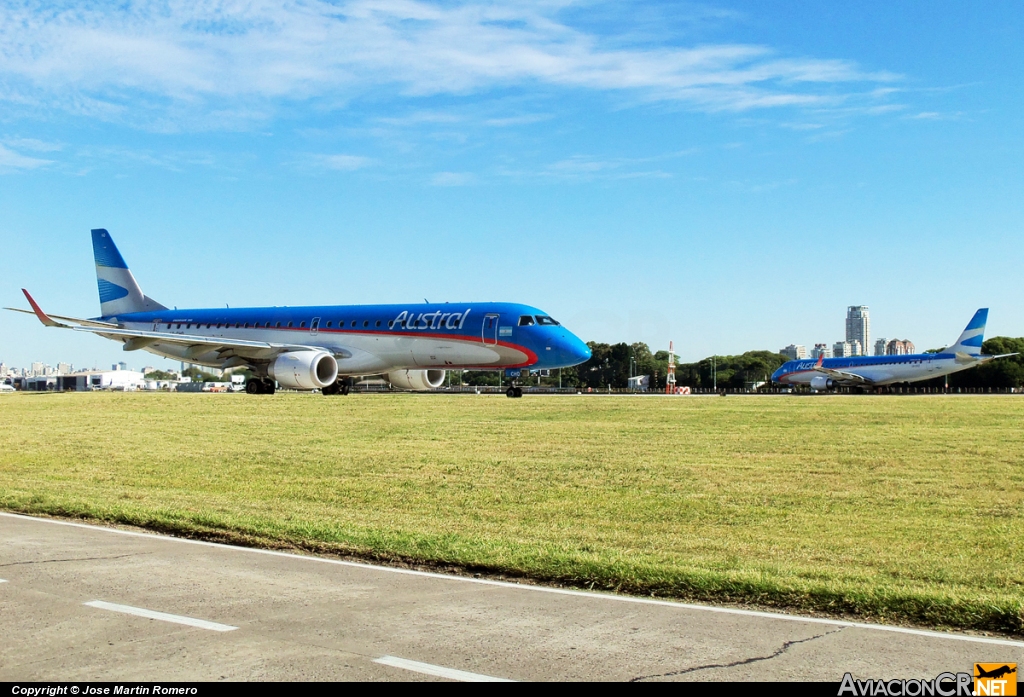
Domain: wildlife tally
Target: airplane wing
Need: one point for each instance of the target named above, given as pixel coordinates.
(76, 320)
(195, 345)
(843, 376)
(840, 375)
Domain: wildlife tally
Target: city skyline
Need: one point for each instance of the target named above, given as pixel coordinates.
(856, 343)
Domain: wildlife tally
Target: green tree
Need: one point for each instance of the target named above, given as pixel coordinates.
(198, 375)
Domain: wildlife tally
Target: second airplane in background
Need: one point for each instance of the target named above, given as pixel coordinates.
(876, 371)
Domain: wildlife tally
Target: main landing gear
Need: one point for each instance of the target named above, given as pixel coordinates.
(340, 387)
(513, 392)
(260, 386)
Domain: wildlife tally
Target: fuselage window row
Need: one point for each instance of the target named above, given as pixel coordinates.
(524, 320)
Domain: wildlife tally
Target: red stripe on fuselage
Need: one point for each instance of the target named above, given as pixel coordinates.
(530, 355)
(785, 378)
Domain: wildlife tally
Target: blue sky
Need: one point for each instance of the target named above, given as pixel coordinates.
(729, 176)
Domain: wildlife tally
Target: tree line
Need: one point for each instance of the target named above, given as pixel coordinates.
(613, 364)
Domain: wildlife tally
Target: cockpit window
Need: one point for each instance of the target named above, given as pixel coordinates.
(525, 321)
(545, 321)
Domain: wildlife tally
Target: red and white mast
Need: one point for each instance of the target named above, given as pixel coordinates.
(670, 379)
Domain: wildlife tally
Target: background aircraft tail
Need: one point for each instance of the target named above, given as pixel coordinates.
(973, 336)
(119, 291)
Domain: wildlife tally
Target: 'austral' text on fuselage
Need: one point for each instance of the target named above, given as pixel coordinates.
(431, 320)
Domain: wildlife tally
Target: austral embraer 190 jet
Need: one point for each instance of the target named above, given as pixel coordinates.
(321, 347)
(875, 371)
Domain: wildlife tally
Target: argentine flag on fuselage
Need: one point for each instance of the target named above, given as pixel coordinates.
(119, 291)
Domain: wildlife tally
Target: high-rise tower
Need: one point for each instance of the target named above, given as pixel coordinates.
(858, 326)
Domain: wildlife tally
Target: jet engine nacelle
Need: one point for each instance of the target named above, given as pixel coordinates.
(304, 370)
(820, 382)
(417, 379)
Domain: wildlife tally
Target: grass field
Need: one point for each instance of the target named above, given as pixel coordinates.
(903, 509)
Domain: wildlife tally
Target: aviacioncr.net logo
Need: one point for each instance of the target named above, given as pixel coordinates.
(942, 685)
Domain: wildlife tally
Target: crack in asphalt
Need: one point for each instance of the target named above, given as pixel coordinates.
(52, 561)
(781, 650)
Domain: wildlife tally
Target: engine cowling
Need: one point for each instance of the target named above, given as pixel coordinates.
(820, 382)
(304, 370)
(417, 379)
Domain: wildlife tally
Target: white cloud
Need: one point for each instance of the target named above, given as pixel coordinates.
(524, 120)
(10, 160)
(342, 163)
(32, 144)
(587, 168)
(184, 60)
(452, 179)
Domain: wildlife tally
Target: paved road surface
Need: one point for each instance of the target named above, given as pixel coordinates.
(83, 602)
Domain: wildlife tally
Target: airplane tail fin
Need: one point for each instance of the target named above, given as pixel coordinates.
(970, 341)
(119, 291)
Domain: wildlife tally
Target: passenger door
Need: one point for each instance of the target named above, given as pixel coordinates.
(489, 333)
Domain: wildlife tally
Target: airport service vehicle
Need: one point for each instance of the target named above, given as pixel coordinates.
(324, 346)
(6, 388)
(875, 371)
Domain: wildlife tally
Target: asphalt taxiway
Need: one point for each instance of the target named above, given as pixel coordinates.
(86, 602)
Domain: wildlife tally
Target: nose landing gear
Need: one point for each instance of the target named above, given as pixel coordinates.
(514, 391)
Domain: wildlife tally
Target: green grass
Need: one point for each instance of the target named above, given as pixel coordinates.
(899, 509)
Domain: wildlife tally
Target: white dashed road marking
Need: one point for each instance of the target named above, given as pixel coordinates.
(536, 588)
(154, 615)
(436, 671)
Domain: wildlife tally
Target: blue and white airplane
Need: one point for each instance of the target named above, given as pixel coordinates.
(875, 371)
(321, 347)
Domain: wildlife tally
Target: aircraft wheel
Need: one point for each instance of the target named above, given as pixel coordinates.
(519, 392)
(510, 392)
(344, 389)
(269, 387)
(254, 386)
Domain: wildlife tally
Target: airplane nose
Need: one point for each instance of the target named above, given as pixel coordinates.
(580, 351)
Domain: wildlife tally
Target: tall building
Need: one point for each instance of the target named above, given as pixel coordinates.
(821, 351)
(880, 345)
(38, 368)
(842, 349)
(899, 348)
(858, 326)
(794, 352)
(64, 369)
